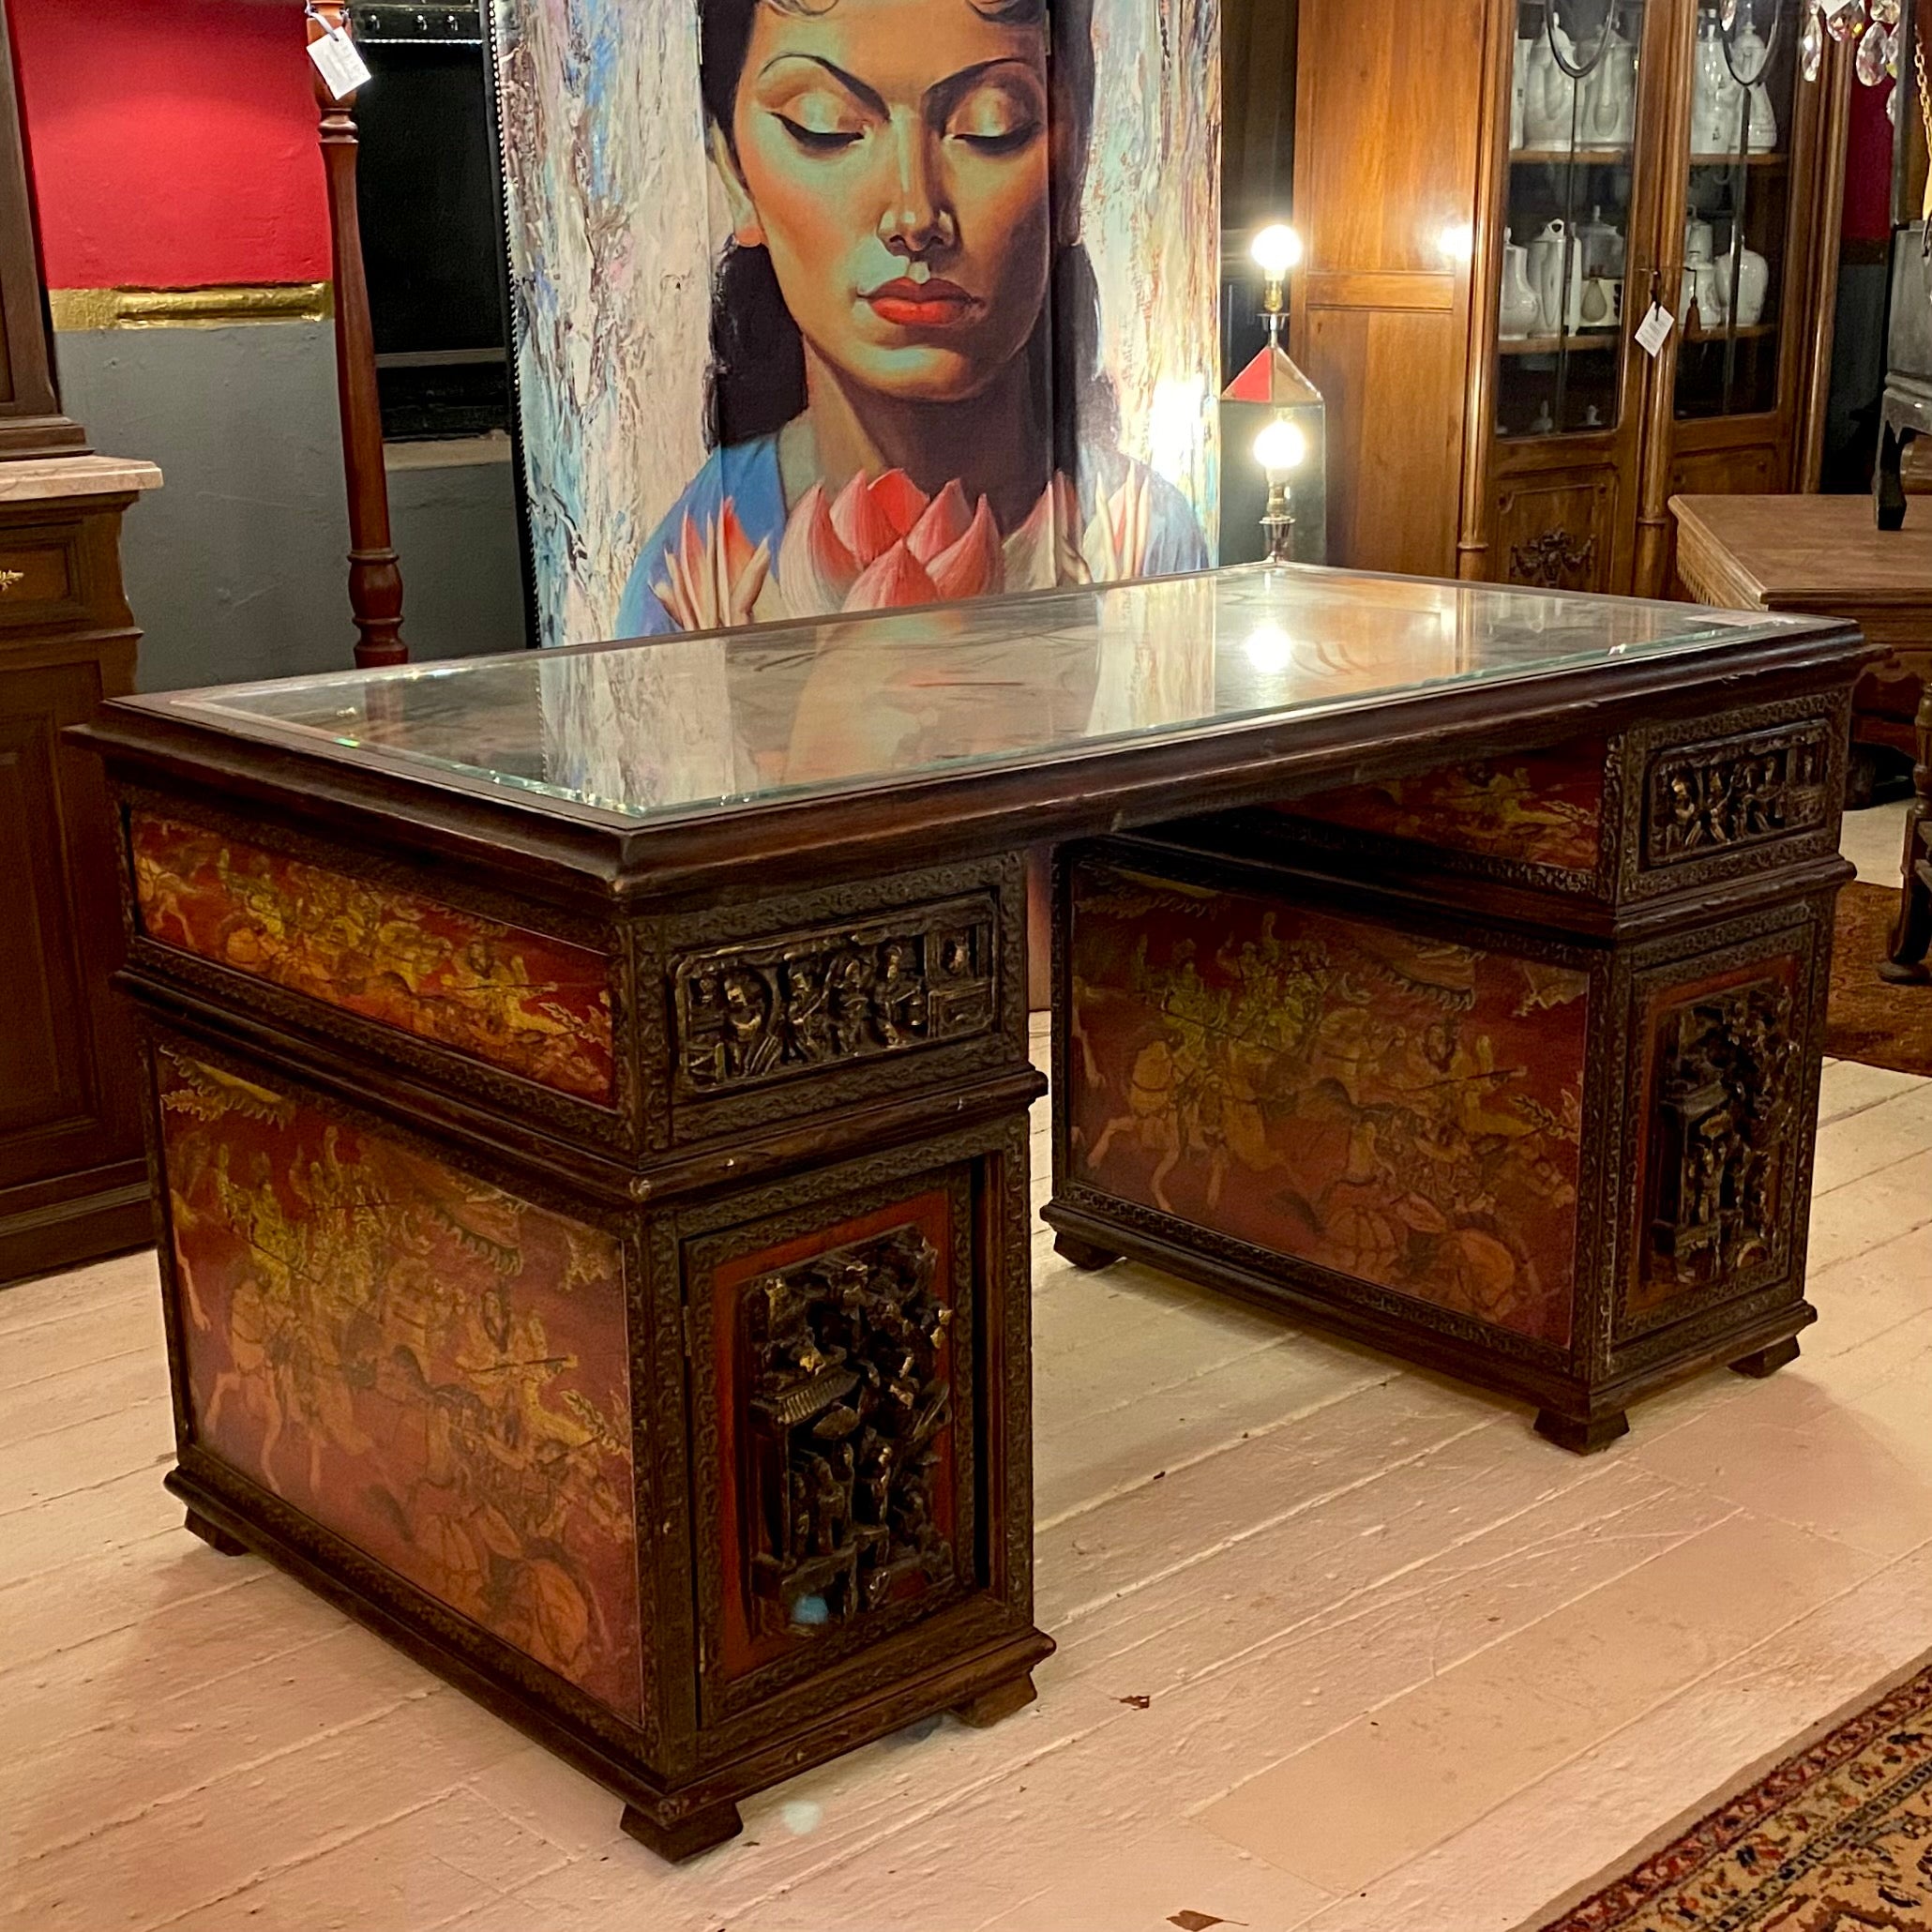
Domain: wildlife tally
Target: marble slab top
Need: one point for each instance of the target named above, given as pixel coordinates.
(51, 478)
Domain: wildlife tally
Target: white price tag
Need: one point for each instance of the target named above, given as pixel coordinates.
(1833, 9)
(340, 63)
(1653, 331)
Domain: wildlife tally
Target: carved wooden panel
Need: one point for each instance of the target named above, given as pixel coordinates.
(835, 995)
(1556, 532)
(1724, 1100)
(837, 1417)
(1735, 791)
(1720, 1149)
(848, 1395)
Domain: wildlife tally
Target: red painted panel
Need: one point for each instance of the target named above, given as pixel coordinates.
(172, 146)
(1405, 1110)
(432, 1368)
(538, 1005)
(1541, 808)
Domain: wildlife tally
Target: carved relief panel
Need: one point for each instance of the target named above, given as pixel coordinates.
(1558, 532)
(1721, 1115)
(832, 1347)
(783, 1007)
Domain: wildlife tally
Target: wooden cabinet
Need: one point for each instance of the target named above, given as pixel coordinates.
(74, 1179)
(1486, 231)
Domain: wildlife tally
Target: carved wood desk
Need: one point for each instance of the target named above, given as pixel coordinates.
(588, 1092)
(1823, 554)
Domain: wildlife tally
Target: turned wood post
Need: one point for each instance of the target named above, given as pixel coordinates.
(376, 582)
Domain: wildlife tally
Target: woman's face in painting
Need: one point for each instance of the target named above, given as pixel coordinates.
(893, 158)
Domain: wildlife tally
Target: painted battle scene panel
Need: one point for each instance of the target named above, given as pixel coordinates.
(423, 1364)
(517, 998)
(839, 1392)
(1402, 1110)
(1538, 807)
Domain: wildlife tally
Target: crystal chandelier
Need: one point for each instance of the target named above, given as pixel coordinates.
(1873, 23)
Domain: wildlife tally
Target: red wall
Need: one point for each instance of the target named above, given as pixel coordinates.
(172, 142)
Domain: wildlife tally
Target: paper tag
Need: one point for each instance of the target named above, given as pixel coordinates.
(340, 63)
(1653, 331)
(1833, 9)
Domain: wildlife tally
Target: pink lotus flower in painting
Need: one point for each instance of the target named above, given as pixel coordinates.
(883, 543)
(1042, 553)
(714, 575)
(1114, 544)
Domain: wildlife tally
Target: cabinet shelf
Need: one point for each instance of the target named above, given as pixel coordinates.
(1775, 157)
(1745, 332)
(1587, 157)
(1592, 339)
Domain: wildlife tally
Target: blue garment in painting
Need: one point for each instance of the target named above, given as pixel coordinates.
(746, 475)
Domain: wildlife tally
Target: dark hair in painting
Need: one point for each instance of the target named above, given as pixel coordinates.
(756, 384)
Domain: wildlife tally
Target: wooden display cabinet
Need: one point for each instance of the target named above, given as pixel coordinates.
(1470, 434)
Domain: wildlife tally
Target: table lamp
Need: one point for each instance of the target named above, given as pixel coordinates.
(1269, 399)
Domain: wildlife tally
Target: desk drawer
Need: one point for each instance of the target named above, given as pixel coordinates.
(44, 576)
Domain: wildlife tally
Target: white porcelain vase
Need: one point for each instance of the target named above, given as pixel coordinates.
(1518, 311)
(1753, 286)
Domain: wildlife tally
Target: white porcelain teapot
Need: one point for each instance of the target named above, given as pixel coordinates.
(1607, 111)
(1556, 273)
(1550, 95)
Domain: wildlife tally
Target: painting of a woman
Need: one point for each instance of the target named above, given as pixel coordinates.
(907, 400)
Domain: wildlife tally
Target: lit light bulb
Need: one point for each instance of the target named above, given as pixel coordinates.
(1280, 449)
(1276, 250)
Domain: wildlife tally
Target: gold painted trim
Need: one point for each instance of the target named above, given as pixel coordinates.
(213, 307)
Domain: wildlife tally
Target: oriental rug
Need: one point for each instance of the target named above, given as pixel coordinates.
(1869, 1022)
(1835, 1837)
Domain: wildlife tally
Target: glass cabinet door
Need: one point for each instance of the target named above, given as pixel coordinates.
(1735, 261)
(1572, 145)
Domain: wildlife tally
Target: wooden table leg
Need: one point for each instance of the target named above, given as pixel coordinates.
(1912, 935)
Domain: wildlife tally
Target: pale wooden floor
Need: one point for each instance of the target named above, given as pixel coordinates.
(1407, 1667)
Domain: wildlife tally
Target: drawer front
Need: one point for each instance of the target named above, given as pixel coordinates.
(42, 575)
(788, 1008)
(1743, 792)
(533, 1004)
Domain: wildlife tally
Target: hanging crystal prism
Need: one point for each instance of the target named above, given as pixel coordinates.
(1811, 45)
(1884, 11)
(1874, 50)
(1847, 20)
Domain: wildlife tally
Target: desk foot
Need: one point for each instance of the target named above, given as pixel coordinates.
(990, 1705)
(1085, 1254)
(1911, 936)
(685, 1835)
(1582, 1437)
(218, 1540)
(1767, 1360)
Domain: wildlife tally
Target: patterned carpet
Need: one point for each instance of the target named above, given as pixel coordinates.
(1836, 1839)
(1878, 1024)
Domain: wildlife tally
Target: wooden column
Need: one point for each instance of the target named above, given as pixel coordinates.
(375, 581)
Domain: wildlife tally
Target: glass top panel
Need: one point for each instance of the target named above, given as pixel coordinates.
(682, 725)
